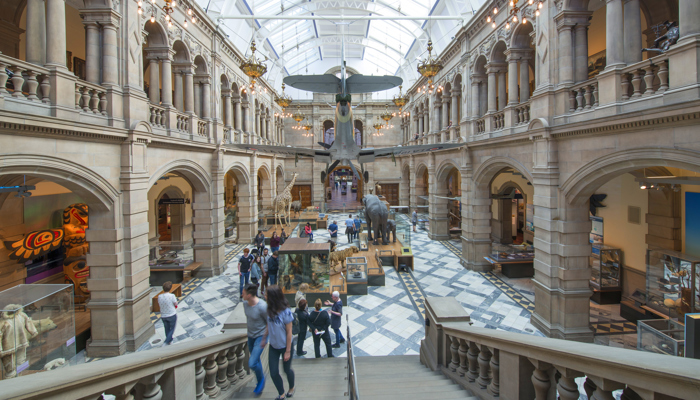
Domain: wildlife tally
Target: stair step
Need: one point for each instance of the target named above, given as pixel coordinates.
(452, 395)
(397, 388)
(364, 385)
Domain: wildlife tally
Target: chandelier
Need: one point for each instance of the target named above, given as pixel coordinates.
(430, 67)
(513, 12)
(168, 9)
(387, 116)
(298, 117)
(283, 101)
(307, 127)
(401, 99)
(253, 67)
(378, 126)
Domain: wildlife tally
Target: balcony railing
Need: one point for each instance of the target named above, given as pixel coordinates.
(584, 96)
(203, 129)
(90, 98)
(481, 125)
(183, 122)
(498, 120)
(24, 80)
(522, 114)
(159, 117)
(645, 78)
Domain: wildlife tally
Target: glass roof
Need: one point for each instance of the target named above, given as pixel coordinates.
(313, 46)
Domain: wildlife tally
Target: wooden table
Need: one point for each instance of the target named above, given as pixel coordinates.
(176, 290)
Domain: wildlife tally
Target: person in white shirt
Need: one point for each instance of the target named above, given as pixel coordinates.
(168, 311)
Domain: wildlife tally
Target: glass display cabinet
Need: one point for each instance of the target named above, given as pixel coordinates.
(661, 336)
(304, 262)
(357, 275)
(230, 221)
(516, 260)
(606, 272)
(169, 261)
(403, 230)
(37, 329)
(672, 284)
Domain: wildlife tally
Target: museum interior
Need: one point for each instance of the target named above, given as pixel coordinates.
(527, 197)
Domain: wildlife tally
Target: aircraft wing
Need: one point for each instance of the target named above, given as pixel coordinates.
(368, 155)
(326, 83)
(369, 83)
(317, 155)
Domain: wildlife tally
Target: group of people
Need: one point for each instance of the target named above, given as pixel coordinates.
(275, 240)
(261, 269)
(272, 321)
(353, 227)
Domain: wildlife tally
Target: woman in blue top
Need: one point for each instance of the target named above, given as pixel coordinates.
(279, 332)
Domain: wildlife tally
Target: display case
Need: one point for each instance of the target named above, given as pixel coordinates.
(357, 275)
(661, 336)
(168, 261)
(672, 283)
(606, 272)
(230, 221)
(304, 262)
(403, 230)
(37, 328)
(516, 260)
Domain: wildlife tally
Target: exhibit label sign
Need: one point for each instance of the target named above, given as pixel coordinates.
(171, 201)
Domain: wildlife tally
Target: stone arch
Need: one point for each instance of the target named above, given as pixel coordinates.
(182, 52)
(521, 37)
(487, 170)
(177, 212)
(190, 170)
(422, 184)
(578, 188)
(447, 210)
(405, 185)
(200, 66)
(359, 132)
(263, 180)
(279, 178)
(497, 52)
(157, 35)
(244, 220)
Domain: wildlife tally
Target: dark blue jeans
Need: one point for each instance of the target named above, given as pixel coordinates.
(254, 361)
(338, 336)
(273, 361)
(245, 278)
(169, 325)
(272, 279)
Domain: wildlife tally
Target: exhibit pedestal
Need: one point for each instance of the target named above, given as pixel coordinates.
(606, 296)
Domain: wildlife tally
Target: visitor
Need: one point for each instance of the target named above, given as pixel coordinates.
(168, 311)
(244, 268)
(309, 232)
(303, 317)
(358, 226)
(274, 242)
(273, 267)
(416, 137)
(259, 241)
(336, 313)
(283, 237)
(279, 334)
(256, 272)
(350, 228)
(318, 323)
(333, 230)
(255, 310)
(301, 293)
(265, 259)
(449, 125)
(414, 219)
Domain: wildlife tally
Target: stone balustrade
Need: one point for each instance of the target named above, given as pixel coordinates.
(183, 122)
(24, 80)
(205, 368)
(203, 129)
(522, 114)
(498, 120)
(583, 96)
(159, 116)
(481, 126)
(228, 132)
(90, 98)
(505, 365)
(645, 78)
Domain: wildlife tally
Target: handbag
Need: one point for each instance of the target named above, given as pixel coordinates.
(295, 325)
(311, 328)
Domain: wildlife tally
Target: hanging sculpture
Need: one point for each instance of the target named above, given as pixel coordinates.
(663, 42)
(75, 222)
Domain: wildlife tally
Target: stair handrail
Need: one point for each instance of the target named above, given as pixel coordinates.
(353, 389)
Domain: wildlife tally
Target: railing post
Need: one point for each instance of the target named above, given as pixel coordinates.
(151, 387)
(222, 363)
(454, 348)
(231, 368)
(240, 358)
(473, 357)
(567, 387)
(463, 367)
(199, 375)
(484, 360)
(211, 369)
(540, 379)
(494, 386)
(604, 388)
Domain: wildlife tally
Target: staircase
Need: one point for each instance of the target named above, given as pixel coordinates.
(385, 378)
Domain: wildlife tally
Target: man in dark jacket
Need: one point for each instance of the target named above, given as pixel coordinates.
(303, 317)
(273, 267)
(336, 313)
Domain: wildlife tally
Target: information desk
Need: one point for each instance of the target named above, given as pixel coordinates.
(304, 262)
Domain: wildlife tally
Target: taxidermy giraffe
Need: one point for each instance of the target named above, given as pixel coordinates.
(283, 202)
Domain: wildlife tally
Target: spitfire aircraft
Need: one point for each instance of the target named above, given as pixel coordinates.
(344, 149)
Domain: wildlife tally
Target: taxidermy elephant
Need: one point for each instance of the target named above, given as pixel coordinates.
(377, 215)
(390, 228)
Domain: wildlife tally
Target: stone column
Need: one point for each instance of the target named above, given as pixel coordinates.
(227, 110)
(268, 130)
(492, 90)
(455, 107)
(483, 96)
(208, 219)
(198, 99)
(167, 81)
(154, 78)
(475, 97)
(566, 67)
(206, 96)
(257, 121)
(36, 32)
(110, 58)
(614, 34)
(189, 90)
(632, 32)
(512, 80)
(413, 198)
(92, 52)
(581, 51)
(178, 100)
(689, 18)
(237, 117)
(426, 121)
(56, 33)
(246, 114)
(524, 80)
(501, 90)
(421, 124)
(445, 120)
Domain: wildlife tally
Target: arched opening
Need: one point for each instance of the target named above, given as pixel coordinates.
(239, 222)
(405, 188)
(457, 85)
(497, 66)
(343, 189)
(264, 189)
(359, 133)
(201, 88)
(328, 132)
(422, 189)
(448, 199)
(182, 66)
(479, 88)
(521, 64)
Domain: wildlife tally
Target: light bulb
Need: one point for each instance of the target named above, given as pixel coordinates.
(170, 24)
(515, 18)
(167, 17)
(507, 25)
(493, 25)
(540, 5)
(139, 3)
(189, 11)
(153, 18)
(153, 1)
(185, 24)
(642, 185)
(512, 3)
(530, 2)
(194, 20)
(140, 12)
(524, 20)
(537, 13)
(488, 19)
(495, 10)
